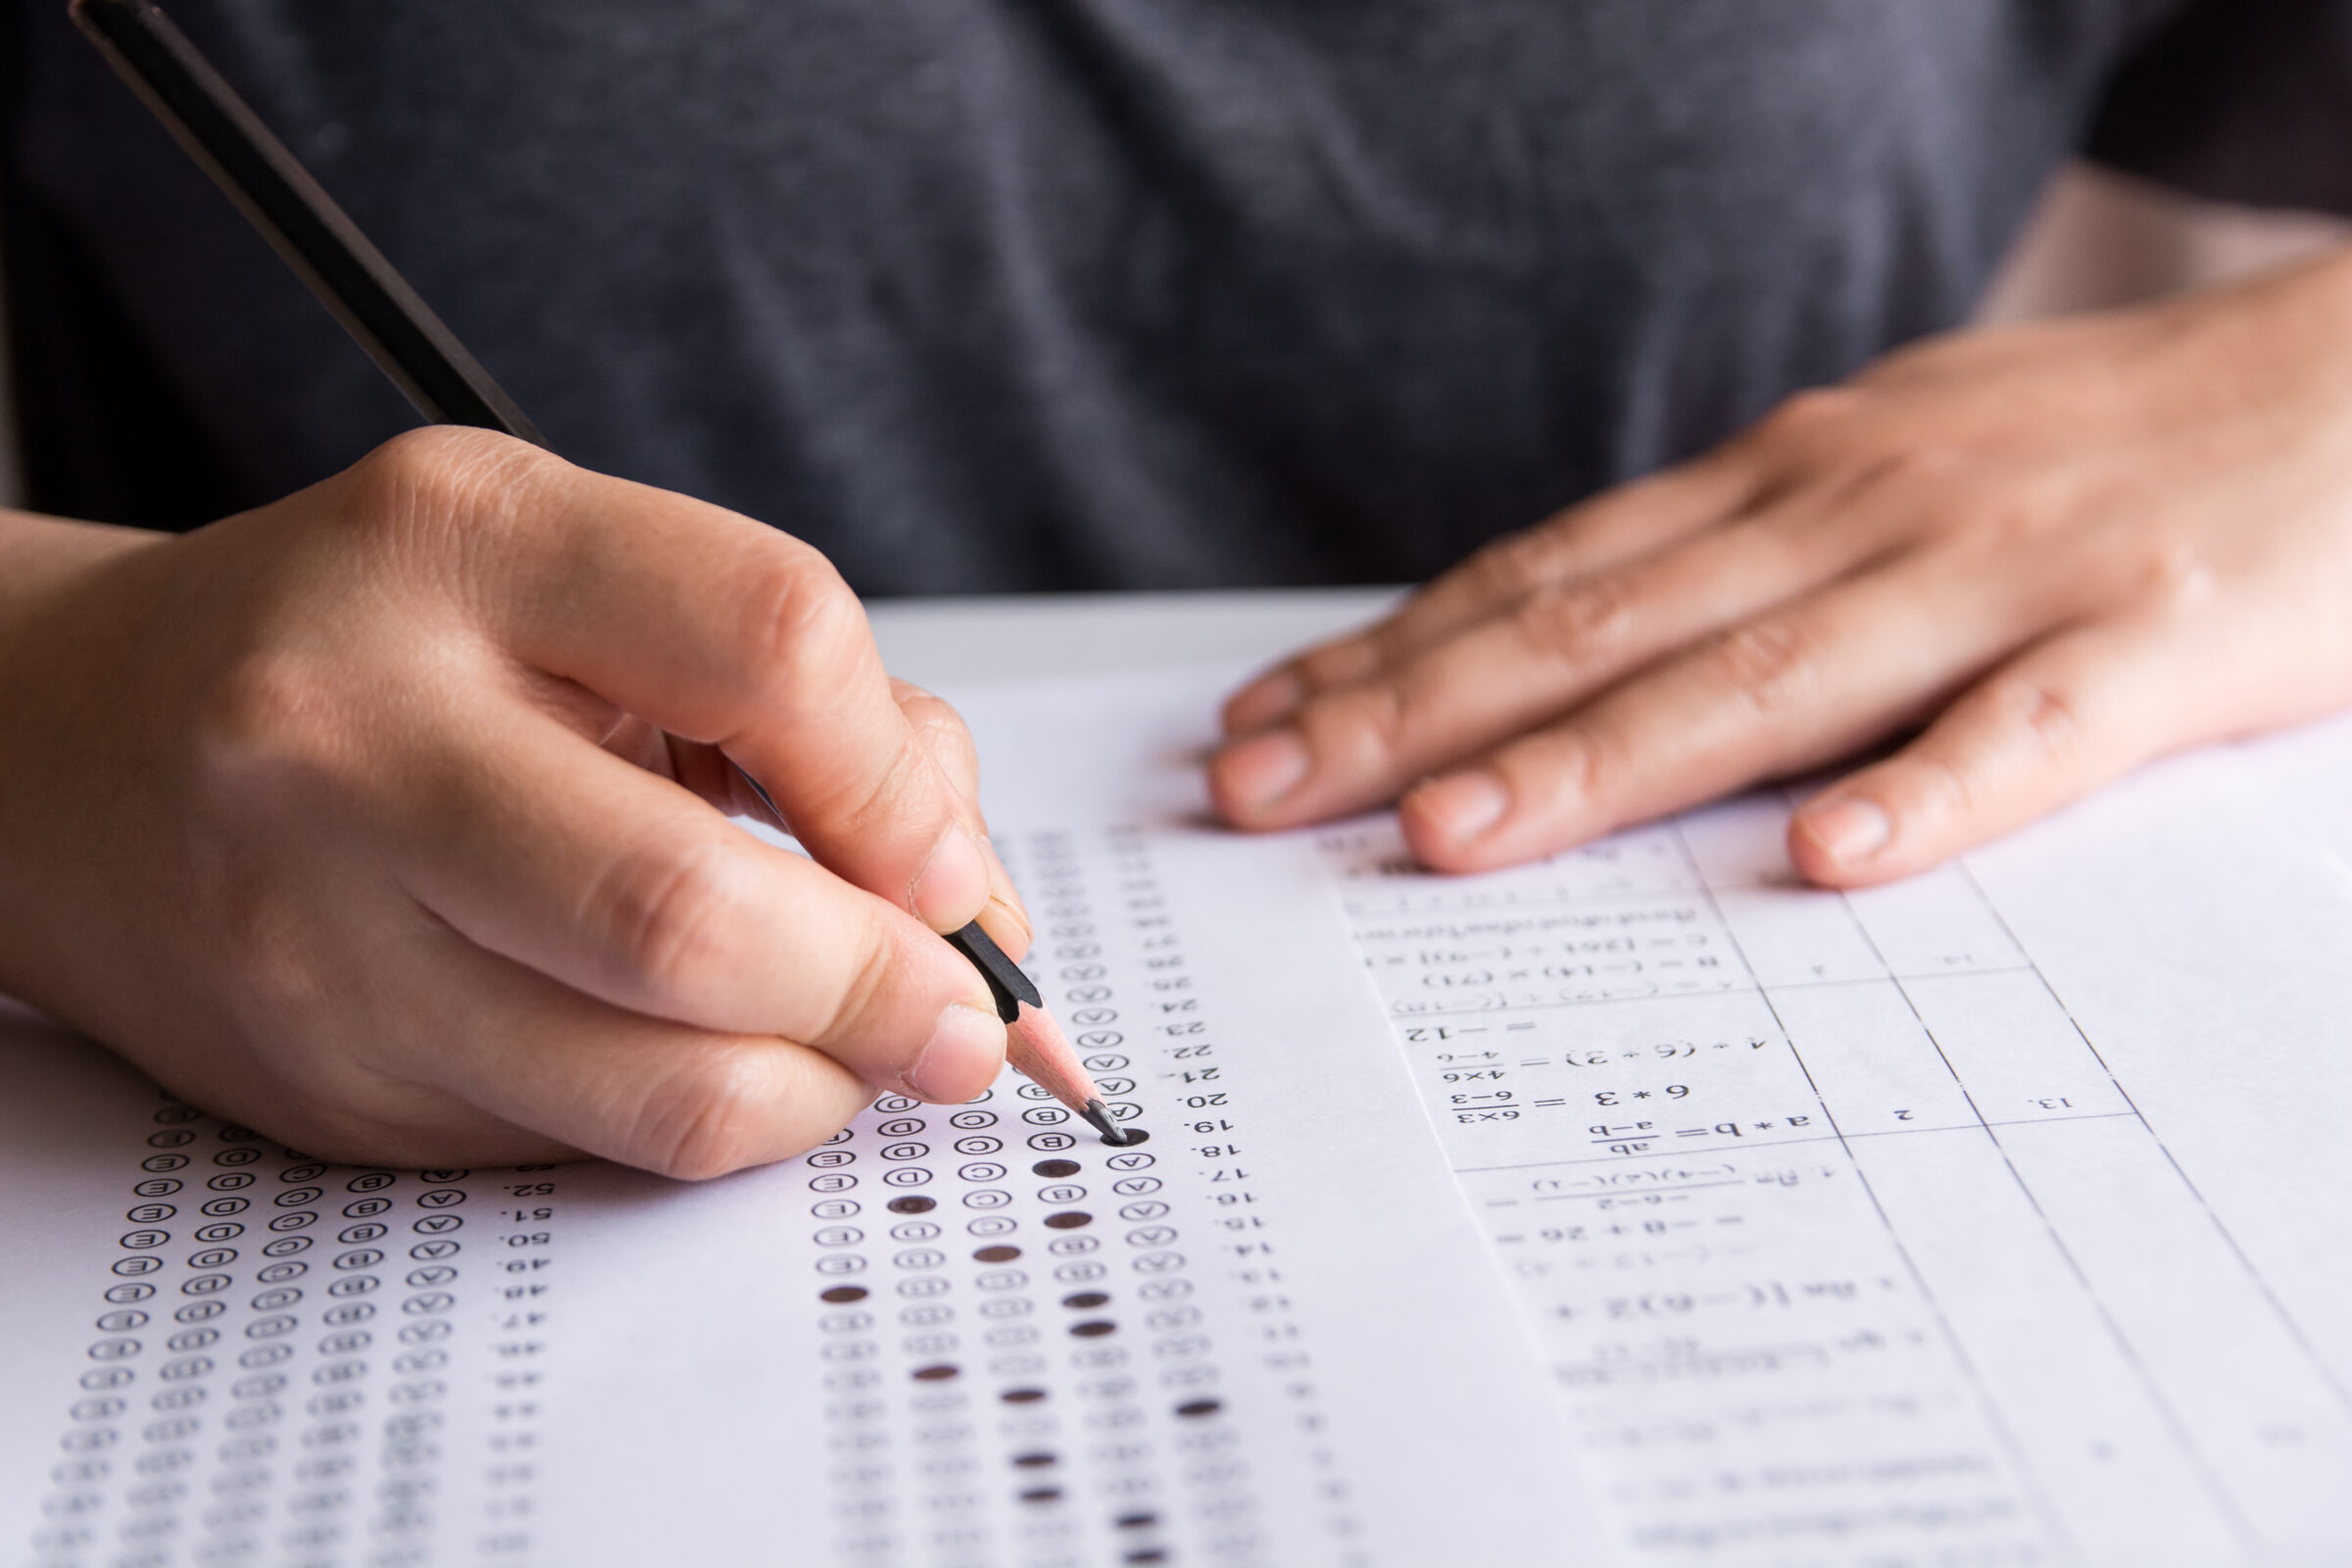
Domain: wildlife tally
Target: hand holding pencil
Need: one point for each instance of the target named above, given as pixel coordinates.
(404, 849)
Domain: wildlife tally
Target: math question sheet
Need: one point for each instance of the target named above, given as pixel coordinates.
(1640, 1206)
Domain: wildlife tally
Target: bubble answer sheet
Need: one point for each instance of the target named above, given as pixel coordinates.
(1640, 1206)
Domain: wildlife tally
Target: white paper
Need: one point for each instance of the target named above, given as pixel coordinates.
(1990, 1218)
(1271, 1336)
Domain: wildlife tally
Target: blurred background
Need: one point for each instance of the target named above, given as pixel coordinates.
(2098, 239)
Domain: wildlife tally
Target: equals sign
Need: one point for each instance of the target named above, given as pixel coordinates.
(1551, 1101)
(1537, 1061)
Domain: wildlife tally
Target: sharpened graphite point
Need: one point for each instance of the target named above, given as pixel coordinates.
(1100, 1118)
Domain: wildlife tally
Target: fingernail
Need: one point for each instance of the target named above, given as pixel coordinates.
(1264, 701)
(953, 885)
(1849, 830)
(1462, 806)
(1265, 767)
(965, 1049)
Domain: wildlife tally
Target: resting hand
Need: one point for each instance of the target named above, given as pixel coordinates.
(2062, 549)
(370, 818)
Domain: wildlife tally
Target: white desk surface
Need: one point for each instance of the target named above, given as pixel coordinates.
(947, 642)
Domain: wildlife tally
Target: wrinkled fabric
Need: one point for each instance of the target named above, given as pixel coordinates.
(1041, 294)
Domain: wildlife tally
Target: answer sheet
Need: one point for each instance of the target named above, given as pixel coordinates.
(1640, 1206)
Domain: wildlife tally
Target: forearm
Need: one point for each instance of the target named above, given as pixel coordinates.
(38, 553)
(49, 629)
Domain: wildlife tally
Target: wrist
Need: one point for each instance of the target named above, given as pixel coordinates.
(39, 555)
(43, 556)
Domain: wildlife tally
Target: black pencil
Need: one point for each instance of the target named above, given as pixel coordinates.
(449, 386)
(299, 219)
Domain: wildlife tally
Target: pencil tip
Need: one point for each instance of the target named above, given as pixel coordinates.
(1099, 1115)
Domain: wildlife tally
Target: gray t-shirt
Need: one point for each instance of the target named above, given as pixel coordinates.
(1088, 293)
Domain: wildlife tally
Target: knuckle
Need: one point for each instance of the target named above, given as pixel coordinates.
(1940, 786)
(892, 801)
(798, 625)
(1512, 565)
(431, 477)
(1565, 772)
(2023, 722)
(669, 922)
(923, 708)
(1580, 623)
(941, 728)
(705, 1118)
(1345, 662)
(1812, 415)
(1361, 728)
(866, 993)
(2042, 713)
(266, 733)
(1770, 665)
(2177, 580)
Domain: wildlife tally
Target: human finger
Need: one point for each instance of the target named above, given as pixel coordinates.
(666, 1096)
(714, 627)
(936, 723)
(696, 764)
(619, 884)
(1787, 691)
(2052, 724)
(1607, 531)
(1350, 749)
(942, 730)
(357, 1112)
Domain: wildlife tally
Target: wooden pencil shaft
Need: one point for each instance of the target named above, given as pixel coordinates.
(299, 219)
